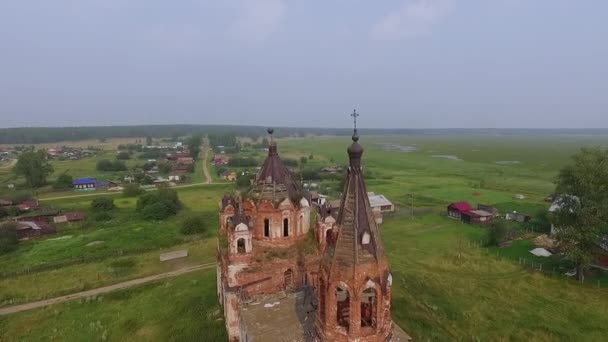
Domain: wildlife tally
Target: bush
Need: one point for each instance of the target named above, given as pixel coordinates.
(499, 232)
(290, 162)
(9, 240)
(106, 165)
(102, 216)
(158, 205)
(242, 162)
(303, 160)
(132, 190)
(63, 182)
(243, 181)
(157, 211)
(102, 204)
(123, 155)
(193, 224)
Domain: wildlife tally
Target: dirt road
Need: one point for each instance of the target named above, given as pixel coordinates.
(208, 179)
(120, 286)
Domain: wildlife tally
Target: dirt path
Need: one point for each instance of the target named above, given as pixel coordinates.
(120, 286)
(208, 179)
(10, 164)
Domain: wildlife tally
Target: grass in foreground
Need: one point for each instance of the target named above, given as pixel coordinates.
(179, 309)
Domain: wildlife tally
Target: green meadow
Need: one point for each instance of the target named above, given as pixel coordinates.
(446, 286)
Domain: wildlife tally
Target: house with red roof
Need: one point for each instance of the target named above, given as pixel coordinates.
(456, 209)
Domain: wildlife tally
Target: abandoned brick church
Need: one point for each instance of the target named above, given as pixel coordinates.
(278, 280)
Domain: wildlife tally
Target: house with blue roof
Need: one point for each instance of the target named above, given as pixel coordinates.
(84, 184)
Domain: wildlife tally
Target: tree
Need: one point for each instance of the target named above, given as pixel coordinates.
(193, 224)
(9, 239)
(164, 167)
(123, 155)
(104, 165)
(132, 190)
(499, 232)
(194, 145)
(158, 205)
(34, 167)
(102, 204)
(311, 157)
(303, 160)
(243, 181)
(63, 182)
(148, 141)
(582, 216)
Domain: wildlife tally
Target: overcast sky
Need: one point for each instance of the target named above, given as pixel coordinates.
(401, 63)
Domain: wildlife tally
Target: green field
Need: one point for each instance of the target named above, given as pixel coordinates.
(446, 287)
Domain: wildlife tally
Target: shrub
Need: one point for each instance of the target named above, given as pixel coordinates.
(102, 216)
(102, 204)
(156, 211)
(243, 181)
(132, 190)
(303, 160)
(242, 162)
(9, 240)
(193, 224)
(106, 165)
(123, 155)
(63, 182)
(290, 162)
(499, 232)
(158, 205)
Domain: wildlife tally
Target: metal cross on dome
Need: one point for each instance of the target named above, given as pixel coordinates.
(355, 115)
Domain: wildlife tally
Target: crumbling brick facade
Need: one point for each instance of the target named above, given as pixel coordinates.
(264, 248)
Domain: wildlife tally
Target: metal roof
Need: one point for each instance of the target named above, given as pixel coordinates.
(379, 201)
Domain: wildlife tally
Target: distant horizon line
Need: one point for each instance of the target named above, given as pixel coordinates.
(310, 127)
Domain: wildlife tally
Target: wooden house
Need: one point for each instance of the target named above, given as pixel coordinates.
(456, 209)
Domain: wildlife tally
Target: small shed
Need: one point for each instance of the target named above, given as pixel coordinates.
(456, 209)
(29, 229)
(380, 202)
(488, 208)
(519, 217)
(69, 217)
(476, 216)
(85, 184)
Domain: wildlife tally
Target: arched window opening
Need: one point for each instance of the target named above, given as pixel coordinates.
(285, 227)
(322, 300)
(342, 307)
(240, 246)
(288, 279)
(368, 308)
(302, 223)
(266, 228)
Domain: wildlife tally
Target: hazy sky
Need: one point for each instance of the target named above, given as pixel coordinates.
(401, 63)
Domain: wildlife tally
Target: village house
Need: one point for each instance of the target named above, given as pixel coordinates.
(69, 217)
(219, 160)
(456, 209)
(228, 175)
(84, 184)
(339, 291)
(30, 229)
(476, 216)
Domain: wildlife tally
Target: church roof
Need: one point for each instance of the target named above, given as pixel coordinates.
(357, 239)
(274, 181)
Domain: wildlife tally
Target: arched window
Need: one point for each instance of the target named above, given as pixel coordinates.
(288, 279)
(302, 223)
(322, 299)
(266, 227)
(368, 308)
(240, 246)
(342, 307)
(285, 227)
